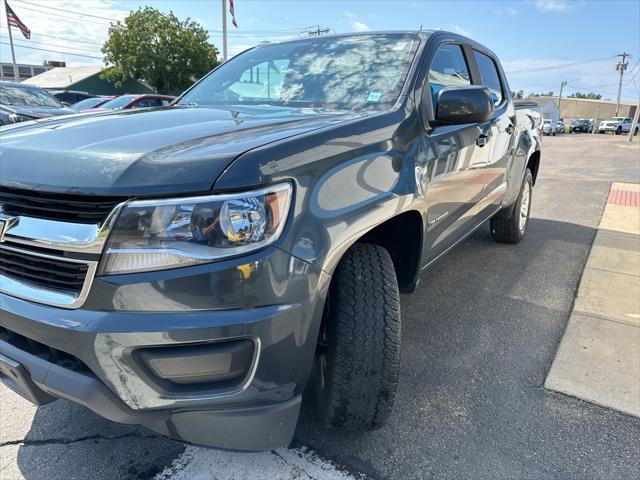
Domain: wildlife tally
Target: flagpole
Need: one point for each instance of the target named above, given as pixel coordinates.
(224, 30)
(13, 53)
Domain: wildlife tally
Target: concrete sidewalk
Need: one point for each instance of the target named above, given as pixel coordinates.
(599, 356)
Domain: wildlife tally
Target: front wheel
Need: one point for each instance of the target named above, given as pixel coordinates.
(510, 224)
(358, 356)
(619, 131)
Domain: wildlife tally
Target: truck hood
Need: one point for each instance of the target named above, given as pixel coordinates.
(167, 150)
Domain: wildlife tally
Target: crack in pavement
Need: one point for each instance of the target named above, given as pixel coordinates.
(65, 441)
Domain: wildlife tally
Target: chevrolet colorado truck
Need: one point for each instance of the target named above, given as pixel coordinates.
(199, 267)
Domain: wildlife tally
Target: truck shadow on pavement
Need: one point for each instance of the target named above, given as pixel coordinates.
(478, 339)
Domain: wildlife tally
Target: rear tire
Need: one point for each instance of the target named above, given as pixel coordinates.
(510, 224)
(358, 359)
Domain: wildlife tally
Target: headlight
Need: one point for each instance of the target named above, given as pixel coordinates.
(16, 117)
(161, 234)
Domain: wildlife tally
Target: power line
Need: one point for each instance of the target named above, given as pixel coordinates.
(54, 51)
(553, 67)
(75, 12)
(57, 45)
(66, 39)
(77, 20)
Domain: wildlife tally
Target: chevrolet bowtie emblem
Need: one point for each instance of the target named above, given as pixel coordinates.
(6, 222)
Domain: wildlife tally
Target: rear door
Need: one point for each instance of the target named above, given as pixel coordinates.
(451, 178)
(501, 129)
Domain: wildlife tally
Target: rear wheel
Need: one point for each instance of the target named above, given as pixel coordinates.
(358, 357)
(510, 224)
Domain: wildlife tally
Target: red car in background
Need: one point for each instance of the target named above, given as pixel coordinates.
(125, 102)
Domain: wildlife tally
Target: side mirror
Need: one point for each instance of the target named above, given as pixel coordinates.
(458, 105)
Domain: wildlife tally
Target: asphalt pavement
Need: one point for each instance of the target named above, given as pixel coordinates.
(479, 337)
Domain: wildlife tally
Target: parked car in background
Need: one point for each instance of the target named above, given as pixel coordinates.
(69, 97)
(194, 267)
(548, 127)
(583, 125)
(617, 125)
(560, 126)
(20, 102)
(125, 102)
(89, 103)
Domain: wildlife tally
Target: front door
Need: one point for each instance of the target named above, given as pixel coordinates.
(452, 166)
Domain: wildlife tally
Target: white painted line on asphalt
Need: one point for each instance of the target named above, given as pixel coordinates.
(197, 463)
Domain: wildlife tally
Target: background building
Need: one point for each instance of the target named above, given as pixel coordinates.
(85, 79)
(24, 71)
(586, 108)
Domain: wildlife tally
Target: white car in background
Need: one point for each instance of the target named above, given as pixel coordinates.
(548, 127)
(617, 125)
(560, 126)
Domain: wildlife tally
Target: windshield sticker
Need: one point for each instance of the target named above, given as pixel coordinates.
(374, 97)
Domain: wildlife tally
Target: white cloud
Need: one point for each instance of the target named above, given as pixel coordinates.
(356, 23)
(510, 11)
(361, 27)
(458, 29)
(546, 74)
(556, 5)
(64, 33)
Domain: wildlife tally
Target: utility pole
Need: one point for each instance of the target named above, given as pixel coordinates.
(634, 124)
(224, 30)
(562, 85)
(318, 30)
(621, 67)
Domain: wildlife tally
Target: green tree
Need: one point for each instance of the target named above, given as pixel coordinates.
(592, 96)
(518, 95)
(159, 49)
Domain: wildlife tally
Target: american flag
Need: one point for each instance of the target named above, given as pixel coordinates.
(14, 21)
(233, 15)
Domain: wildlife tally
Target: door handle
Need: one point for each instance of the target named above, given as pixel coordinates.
(509, 129)
(482, 140)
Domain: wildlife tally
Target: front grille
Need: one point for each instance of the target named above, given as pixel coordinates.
(56, 206)
(40, 350)
(47, 272)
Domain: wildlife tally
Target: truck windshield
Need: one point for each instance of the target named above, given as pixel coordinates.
(341, 73)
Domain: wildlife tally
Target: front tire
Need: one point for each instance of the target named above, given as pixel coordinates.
(510, 224)
(358, 359)
(619, 131)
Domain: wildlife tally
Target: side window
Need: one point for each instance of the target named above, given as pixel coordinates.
(489, 75)
(149, 102)
(448, 68)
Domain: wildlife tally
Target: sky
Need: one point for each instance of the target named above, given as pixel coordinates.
(540, 43)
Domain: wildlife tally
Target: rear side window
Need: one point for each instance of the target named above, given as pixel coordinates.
(489, 75)
(448, 68)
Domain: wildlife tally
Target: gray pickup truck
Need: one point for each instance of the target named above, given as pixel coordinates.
(198, 268)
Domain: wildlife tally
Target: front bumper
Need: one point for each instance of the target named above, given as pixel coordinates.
(608, 128)
(271, 298)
